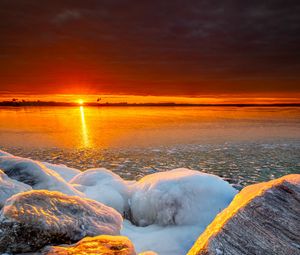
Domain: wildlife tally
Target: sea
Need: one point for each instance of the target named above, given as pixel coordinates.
(243, 145)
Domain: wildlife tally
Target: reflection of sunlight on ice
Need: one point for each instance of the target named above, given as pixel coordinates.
(84, 130)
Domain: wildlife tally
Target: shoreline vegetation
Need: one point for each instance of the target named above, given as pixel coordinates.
(168, 104)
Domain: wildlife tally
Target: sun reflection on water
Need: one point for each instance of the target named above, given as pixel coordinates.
(84, 129)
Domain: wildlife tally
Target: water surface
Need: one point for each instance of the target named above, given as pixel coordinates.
(243, 144)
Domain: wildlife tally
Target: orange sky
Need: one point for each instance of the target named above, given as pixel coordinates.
(151, 50)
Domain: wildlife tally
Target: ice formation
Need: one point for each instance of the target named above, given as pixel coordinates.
(67, 173)
(4, 153)
(179, 197)
(164, 240)
(165, 212)
(33, 219)
(35, 174)
(9, 187)
(171, 209)
(104, 186)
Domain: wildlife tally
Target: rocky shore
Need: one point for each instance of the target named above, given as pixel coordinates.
(52, 209)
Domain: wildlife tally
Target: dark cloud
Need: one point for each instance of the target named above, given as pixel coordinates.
(150, 47)
(66, 15)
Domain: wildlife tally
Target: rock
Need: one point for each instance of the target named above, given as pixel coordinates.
(10, 187)
(31, 220)
(262, 219)
(179, 197)
(35, 174)
(104, 244)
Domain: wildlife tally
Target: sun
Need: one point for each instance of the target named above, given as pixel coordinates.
(80, 101)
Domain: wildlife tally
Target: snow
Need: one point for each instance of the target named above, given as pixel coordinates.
(9, 187)
(35, 174)
(104, 186)
(179, 197)
(67, 173)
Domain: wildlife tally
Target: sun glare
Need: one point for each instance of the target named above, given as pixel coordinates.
(80, 102)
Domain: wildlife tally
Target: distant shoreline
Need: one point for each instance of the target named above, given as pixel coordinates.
(70, 104)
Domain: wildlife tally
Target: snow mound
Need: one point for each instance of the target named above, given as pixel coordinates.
(179, 197)
(33, 219)
(104, 186)
(9, 187)
(67, 173)
(35, 174)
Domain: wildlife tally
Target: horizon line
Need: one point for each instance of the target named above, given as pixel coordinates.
(93, 104)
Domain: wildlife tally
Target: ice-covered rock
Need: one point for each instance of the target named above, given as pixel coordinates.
(179, 197)
(104, 244)
(67, 173)
(262, 219)
(4, 153)
(104, 186)
(9, 187)
(35, 174)
(33, 219)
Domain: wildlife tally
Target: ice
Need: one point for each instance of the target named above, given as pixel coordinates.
(179, 197)
(35, 174)
(104, 186)
(33, 219)
(3, 153)
(67, 173)
(171, 209)
(9, 187)
(164, 240)
(165, 211)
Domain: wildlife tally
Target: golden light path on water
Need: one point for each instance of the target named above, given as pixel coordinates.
(127, 127)
(84, 129)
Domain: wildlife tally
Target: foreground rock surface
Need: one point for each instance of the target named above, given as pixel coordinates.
(262, 219)
(104, 244)
(31, 220)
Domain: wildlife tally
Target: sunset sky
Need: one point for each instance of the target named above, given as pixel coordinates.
(171, 49)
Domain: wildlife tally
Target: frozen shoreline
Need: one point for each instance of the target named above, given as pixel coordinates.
(239, 163)
(175, 206)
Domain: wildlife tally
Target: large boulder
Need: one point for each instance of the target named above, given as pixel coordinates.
(262, 219)
(31, 220)
(179, 197)
(35, 174)
(10, 187)
(104, 244)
